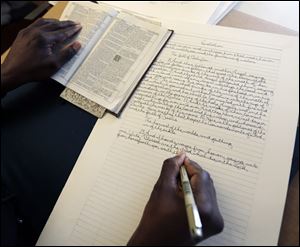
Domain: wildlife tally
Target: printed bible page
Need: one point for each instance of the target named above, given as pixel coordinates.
(94, 19)
(229, 97)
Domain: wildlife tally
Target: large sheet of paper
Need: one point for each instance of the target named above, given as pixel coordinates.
(230, 98)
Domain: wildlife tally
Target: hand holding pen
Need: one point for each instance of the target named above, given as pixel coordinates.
(165, 220)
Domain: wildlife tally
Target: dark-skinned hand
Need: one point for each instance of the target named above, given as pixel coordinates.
(38, 52)
(164, 221)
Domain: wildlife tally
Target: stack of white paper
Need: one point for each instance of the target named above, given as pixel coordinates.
(202, 12)
(224, 8)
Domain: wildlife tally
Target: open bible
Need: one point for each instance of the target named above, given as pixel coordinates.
(117, 49)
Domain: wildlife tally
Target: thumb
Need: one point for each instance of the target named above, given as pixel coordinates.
(67, 53)
(170, 169)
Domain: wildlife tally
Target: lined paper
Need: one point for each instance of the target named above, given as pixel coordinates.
(225, 96)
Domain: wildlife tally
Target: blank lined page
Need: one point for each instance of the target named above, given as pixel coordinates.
(226, 96)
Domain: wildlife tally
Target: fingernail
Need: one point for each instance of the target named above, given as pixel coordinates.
(76, 46)
(78, 26)
(180, 151)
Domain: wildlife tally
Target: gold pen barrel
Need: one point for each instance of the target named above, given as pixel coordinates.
(194, 222)
(193, 216)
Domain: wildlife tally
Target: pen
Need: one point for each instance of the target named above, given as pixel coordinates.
(193, 216)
